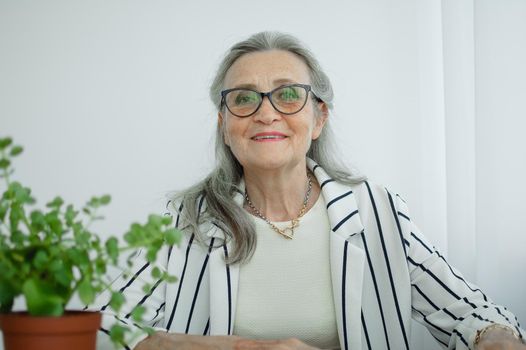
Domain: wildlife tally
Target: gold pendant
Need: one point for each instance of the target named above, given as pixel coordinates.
(284, 232)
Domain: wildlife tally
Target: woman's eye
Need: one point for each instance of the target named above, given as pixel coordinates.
(245, 98)
(288, 94)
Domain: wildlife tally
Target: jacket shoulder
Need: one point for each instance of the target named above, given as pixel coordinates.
(370, 195)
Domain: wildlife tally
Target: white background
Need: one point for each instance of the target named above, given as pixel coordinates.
(112, 97)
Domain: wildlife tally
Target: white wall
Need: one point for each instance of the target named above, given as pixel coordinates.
(111, 97)
(500, 44)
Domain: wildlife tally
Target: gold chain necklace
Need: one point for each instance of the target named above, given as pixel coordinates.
(294, 222)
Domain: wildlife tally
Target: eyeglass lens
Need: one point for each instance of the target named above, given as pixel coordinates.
(287, 100)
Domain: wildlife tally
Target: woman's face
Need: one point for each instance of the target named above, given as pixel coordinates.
(264, 71)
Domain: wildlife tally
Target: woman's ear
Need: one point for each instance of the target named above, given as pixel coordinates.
(320, 119)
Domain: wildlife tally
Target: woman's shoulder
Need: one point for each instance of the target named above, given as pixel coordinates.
(374, 194)
(206, 230)
(173, 206)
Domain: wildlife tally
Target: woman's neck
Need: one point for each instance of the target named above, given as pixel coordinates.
(279, 195)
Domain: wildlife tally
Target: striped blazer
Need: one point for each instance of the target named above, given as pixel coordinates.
(384, 272)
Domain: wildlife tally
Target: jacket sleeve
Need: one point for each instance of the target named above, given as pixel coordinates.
(450, 307)
(131, 286)
(132, 289)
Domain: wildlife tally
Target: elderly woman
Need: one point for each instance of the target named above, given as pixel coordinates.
(286, 248)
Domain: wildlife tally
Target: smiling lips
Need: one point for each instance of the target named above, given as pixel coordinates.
(268, 136)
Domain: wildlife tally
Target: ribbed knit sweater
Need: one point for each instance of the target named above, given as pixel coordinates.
(285, 289)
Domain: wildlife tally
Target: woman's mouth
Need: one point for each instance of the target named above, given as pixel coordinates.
(268, 136)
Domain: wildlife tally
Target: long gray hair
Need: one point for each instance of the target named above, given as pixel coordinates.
(211, 200)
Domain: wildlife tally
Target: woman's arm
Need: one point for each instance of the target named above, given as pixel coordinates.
(452, 309)
(170, 341)
(496, 338)
(131, 287)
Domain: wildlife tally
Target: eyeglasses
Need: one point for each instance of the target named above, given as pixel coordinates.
(286, 99)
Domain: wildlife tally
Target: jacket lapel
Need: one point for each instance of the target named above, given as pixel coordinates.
(223, 292)
(223, 281)
(347, 256)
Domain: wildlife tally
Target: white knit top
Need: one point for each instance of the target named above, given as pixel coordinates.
(285, 289)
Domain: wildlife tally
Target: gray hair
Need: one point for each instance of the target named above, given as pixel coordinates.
(217, 190)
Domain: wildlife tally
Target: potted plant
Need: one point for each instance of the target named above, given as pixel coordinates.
(49, 256)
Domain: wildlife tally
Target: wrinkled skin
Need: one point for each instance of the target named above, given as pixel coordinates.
(499, 340)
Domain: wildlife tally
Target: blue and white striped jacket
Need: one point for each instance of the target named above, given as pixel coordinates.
(384, 272)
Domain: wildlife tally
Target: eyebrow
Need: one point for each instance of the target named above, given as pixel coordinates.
(276, 83)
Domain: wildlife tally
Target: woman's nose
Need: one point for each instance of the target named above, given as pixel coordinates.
(266, 112)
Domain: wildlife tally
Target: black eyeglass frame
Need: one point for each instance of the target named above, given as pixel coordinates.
(307, 88)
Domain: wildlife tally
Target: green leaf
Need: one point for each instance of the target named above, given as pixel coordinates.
(80, 258)
(15, 151)
(117, 334)
(134, 235)
(116, 301)
(56, 265)
(94, 202)
(156, 272)
(167, 220)
(3, 210)
(41, 259)
(147, 288)
(64, 277)
(70, 215)
(77, 227)
(38, 221)
(18, 238)
(95, 242)
(4, 163)
(137, 313)
(100, 266)
(82, 238)
(55, 203)
(155, 220)
(17, 257)
(62, 272)
(151, 254)
(5, 142)
(170, 278)
(20, 193)
(15, 214)
(86, 292)
(172, 236)
(54, 222)
(7, 296)
(153, 249)
(25, 269)
(112, 249)
(104, 200)
(41, 299)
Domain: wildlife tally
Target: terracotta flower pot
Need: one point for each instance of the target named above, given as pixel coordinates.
(75, 330)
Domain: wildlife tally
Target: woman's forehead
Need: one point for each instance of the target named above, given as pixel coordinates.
(274, 67)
